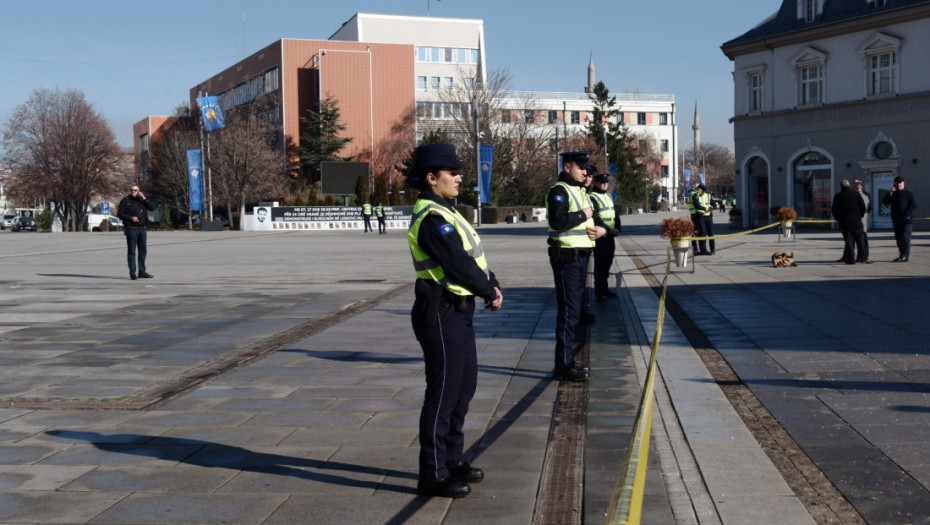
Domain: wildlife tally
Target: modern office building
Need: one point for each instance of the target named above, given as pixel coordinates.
(826, 90)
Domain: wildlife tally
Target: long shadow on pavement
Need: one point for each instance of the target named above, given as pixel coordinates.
(217, 455)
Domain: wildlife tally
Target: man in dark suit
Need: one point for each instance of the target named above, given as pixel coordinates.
(848, 209)
(902, 204)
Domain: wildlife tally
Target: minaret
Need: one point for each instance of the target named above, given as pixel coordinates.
(697, 128)
(590, 88)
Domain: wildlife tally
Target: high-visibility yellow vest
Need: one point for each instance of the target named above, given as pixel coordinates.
(426, 267)
(379, 211)
(366, 209)
(576, 237)
(604, 207)
(705, 202)
(691, 209)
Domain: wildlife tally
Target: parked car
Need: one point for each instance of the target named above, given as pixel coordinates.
(216, 217)
(22, 224)
(7, 222)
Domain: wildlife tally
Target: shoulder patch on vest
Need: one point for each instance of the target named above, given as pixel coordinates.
(558, 198)
(446, 228)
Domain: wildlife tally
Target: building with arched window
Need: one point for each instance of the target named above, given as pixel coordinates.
(831, 90)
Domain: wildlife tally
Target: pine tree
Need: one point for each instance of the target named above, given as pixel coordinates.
(621, 147)
(320, 141)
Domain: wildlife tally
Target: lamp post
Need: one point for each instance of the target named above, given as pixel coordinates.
(694, 159)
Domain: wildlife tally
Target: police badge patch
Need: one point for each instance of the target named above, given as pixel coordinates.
(446, 228)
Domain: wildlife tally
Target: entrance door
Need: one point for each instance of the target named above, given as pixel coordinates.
(881, 213)
(757, 188)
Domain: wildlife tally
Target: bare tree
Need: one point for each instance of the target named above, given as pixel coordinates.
(247, 163)
(166, 164)
(719, 164)
(61, 150)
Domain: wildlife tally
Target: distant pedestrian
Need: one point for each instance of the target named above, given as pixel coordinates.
(702, 215)
(133, 211)
(902, 204)
(867, 199)
(605, 247)
(848, 209)
(451, 270)
(379, 213)
(366, 215)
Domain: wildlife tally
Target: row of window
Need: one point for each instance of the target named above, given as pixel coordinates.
(440, 83)
(447, 55)
(529, 117)
(248, 91)
(882, 73)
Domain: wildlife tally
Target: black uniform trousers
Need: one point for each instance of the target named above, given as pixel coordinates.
(382, 226)
(570, 272)
(604, 250)
(704, 224)
(451, 378)
(367, 219)
(854, 243)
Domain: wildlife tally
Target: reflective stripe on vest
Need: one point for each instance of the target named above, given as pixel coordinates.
(426, 267)
(604, 207)
(576, 237)
(705, 202)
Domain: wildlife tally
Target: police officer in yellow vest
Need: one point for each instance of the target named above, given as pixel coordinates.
(366, 214)
(451, 270)
(605, 247)
(702, 215)
(572, 232)
(379, 213)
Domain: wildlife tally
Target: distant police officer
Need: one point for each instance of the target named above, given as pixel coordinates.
(604, 247)
(451, 270)
(702, 216)
(366, 215)
(379, 213)
(572, 232)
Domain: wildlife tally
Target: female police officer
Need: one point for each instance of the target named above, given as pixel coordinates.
(451, 270)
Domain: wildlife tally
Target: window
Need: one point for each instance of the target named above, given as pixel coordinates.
(424, 110)
(809, 8)
(576, 117)
(474, 56)
(421, 54)
(469, 83)
(447, 54)
(664, 146)
(421, 83)
(810, 85)
(664, 172)
(883, 74)
(505, 116)
(144, 142)
(447, 83)
(883, 150)
(434, 53)
(641, 119)
(812, 191)
(434, 83)
(528, 116)
(437, 109)
(663, 119)
(621, 118)
(755, 92)
(462, 56)
(553, 117)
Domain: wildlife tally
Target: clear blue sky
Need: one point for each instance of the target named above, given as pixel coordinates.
(133, 59)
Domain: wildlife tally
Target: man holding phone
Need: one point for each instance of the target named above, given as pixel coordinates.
(902, 205)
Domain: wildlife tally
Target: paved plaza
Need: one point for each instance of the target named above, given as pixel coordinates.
(274, 378)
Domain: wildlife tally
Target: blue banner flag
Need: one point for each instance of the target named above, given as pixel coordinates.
(484, 179)
(194, 176)
(211, 112)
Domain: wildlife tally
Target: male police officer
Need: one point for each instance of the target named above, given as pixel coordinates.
(379, 213)
(451, 270)
(366, 215)
(605, 247)
(572, 232)
(702, 216)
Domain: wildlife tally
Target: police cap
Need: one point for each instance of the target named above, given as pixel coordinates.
(601, 177)
(578, 157)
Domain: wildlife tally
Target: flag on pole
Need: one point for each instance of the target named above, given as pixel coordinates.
(484, 179)
(211, 113)
(194, 164)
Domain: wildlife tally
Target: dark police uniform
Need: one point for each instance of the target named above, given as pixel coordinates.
(569, 253)
(703, 220)
(451, 270)
(366, 215)
(605, 247)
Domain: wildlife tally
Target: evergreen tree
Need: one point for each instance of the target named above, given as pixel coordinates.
(621, 146)
(600, 126)
(381, 191)
(320, 141)
(361, 191)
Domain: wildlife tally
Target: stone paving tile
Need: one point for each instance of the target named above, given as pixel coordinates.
(196, 508)
(178, 479)
(382, 507)
(38, 477)
(54, 507)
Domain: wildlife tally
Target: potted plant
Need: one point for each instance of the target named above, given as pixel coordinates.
(678, 231)
(785, 214)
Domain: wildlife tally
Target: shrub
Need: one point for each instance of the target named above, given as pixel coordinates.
(784, 213)
(677, 228)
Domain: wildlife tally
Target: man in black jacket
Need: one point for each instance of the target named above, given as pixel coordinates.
(902, 204)
(133, 211)
(848, 209)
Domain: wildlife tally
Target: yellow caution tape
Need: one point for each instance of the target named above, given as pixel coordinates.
(626, 503)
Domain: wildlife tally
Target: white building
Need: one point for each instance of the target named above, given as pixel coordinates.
(831, 90)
